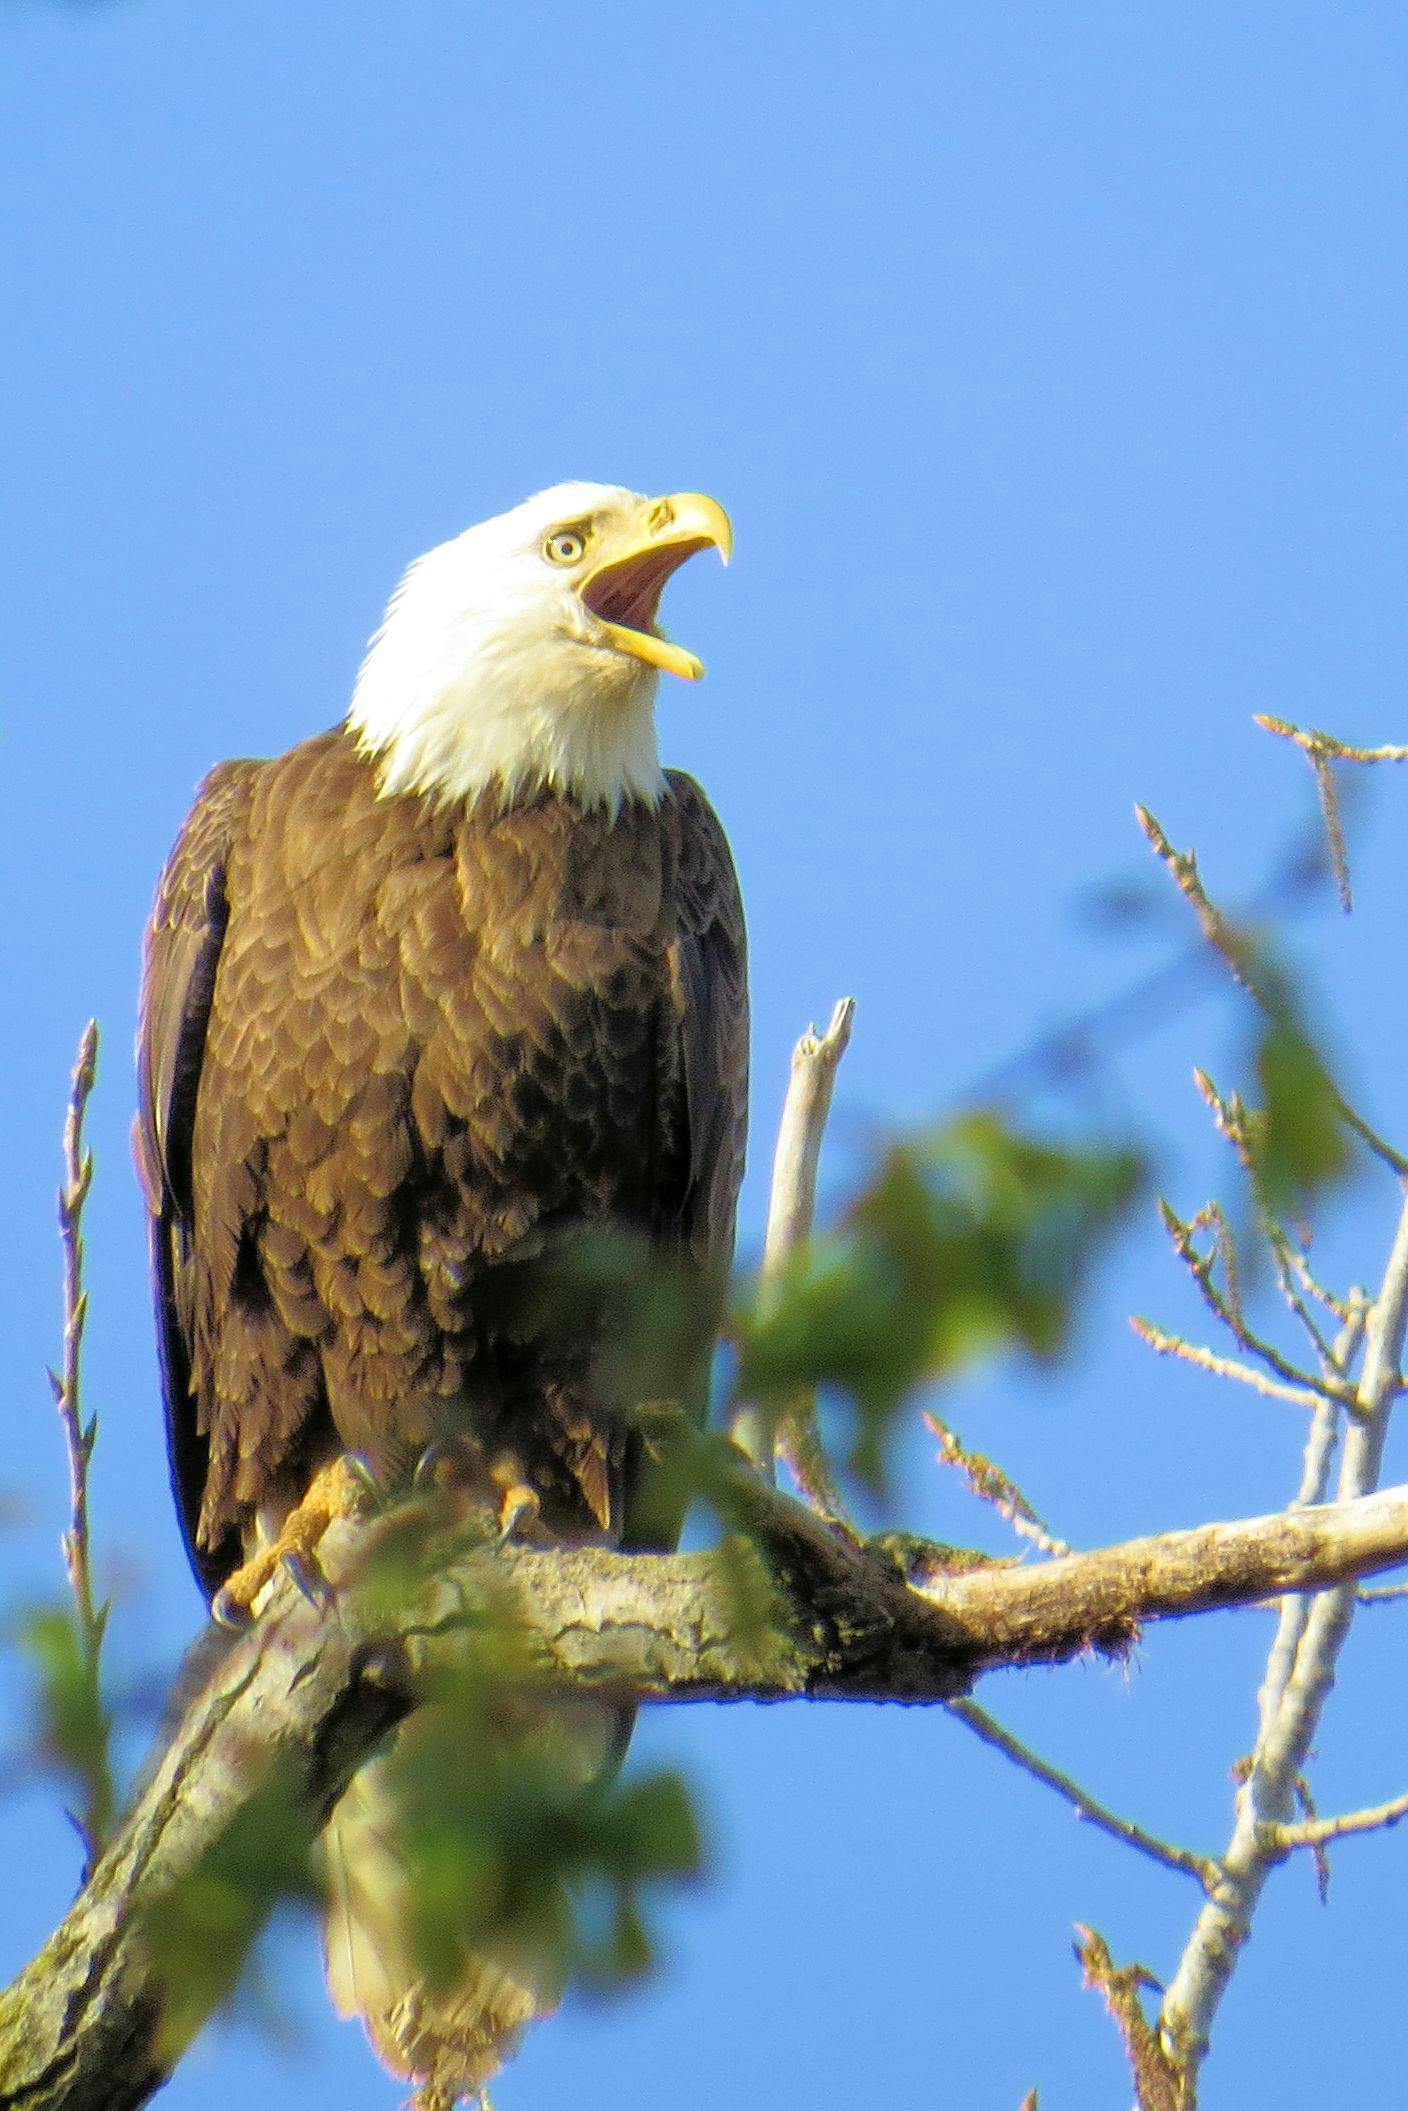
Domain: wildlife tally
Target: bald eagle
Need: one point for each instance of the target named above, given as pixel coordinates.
(421, 997)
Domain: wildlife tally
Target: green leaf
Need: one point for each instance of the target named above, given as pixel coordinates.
(75, 1728)
(200, 1935)
(518, 1840)
(973, 1239)
(1298, 1143)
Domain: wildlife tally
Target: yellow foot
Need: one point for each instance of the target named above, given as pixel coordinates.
(519, 1511)
(336, 1490)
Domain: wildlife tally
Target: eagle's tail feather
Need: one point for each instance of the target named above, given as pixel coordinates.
(448, 2040)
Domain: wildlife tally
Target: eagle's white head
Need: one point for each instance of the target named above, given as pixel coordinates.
(524, 655)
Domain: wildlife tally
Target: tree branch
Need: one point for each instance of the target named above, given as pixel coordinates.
(88, 1751)
(793, 1435)
(1267, 1797)
(1086, 1806)
(793, 1609)
(1318, 1832)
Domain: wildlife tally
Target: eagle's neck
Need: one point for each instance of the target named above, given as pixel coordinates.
(467, 712)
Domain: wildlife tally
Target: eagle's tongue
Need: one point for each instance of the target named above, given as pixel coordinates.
(628, 593)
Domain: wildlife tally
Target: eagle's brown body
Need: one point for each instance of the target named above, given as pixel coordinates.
(388, 1048)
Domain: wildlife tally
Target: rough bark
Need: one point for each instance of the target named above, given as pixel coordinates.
(792, 1610)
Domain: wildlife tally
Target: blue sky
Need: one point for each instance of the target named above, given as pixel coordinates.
(1052, 365)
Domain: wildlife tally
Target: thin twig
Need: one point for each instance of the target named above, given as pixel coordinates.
(1239, 956)
(80, 1436)
(1081, 1801)
(1222, 1366)
(1159, 2083)
(1318, 1832)
(1381, 1593)
(1230, 1116)
(1199, 1266)
(1290, 1281)
(1322, 751)
(1394, 1160)
(1225, 937)
(1341, 1307)
(991, 1485)
(1329, 796)
(793, 1435)
(1316, 742)
(1320, 1860)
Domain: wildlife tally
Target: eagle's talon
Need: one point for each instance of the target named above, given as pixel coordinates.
(448, 1462)
(307, 1579)
(230, 1612)
(360, 1467)
(519, 1511)
(336, 1491)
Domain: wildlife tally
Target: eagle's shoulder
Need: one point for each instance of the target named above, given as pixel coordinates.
(706, 884)
(218, 810)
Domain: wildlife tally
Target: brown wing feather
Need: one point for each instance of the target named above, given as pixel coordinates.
(181, 954)
(710, 961)
(708, 965)
(436, 1040)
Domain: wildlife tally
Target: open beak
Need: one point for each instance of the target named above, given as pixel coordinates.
(624, 592)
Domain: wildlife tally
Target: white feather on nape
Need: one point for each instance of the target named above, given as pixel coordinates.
(483, 678)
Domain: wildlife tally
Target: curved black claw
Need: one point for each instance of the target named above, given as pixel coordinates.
(365, 1474)
(230, 1613)
(307, 1579)
(449, 1461)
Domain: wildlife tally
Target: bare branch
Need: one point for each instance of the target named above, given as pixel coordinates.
(1316, 742)
(1329, 796)
(1222, 1366)
(991, 1485)
(1266, 1800)
(316, 1691)
(1294, 1258)
(794, 1435)
(80, 1438)
(1317, 1833)
(1239, 957)
(1224, 938)
(1320, 1446)
(1322, 752)
(1159, 2084)
(1081, 1801)
(1228, 1308)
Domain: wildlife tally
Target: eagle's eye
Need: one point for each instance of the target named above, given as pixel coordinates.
(565, 546)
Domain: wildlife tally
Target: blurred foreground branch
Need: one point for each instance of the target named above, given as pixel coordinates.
(309, 1694)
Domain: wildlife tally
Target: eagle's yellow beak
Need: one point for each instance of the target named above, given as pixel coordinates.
(623, 592)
